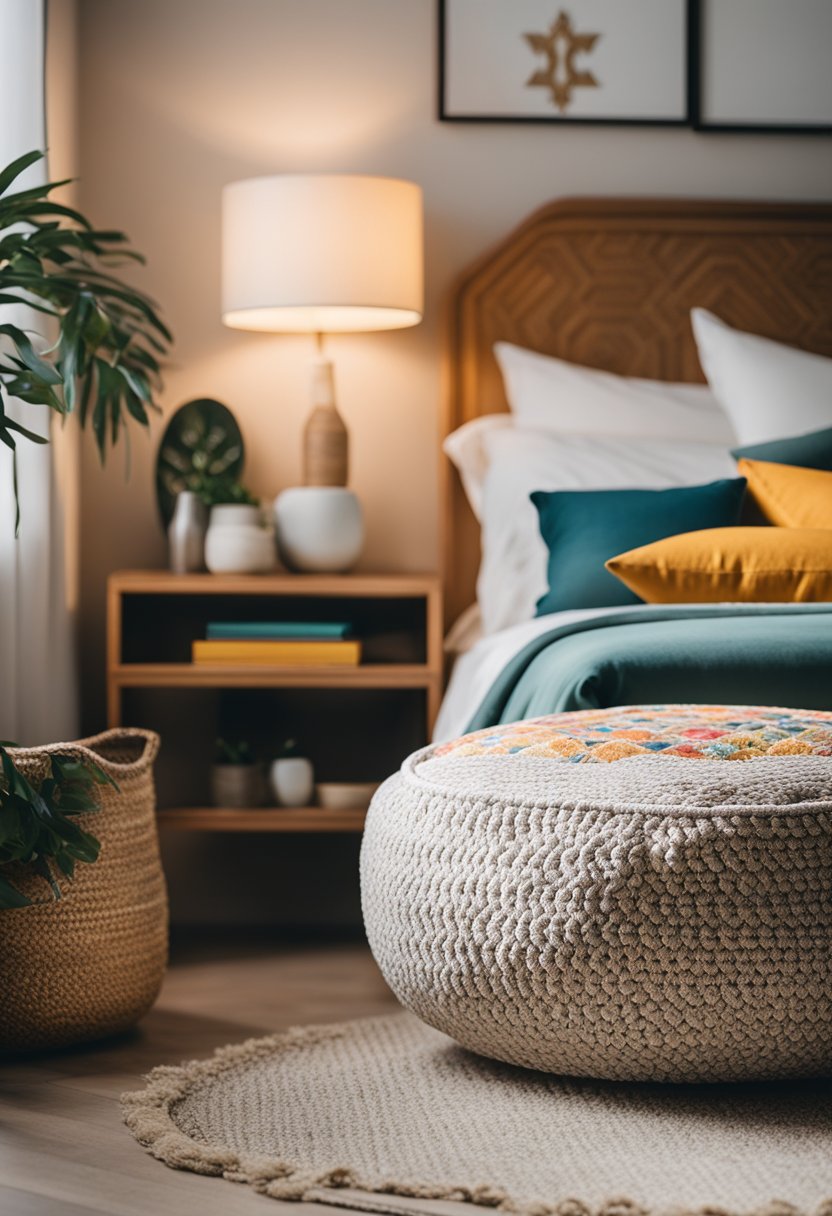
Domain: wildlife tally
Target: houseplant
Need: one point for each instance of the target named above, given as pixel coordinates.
(104, 366)
(236, 776)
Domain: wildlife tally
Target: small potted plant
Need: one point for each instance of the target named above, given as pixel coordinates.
(236, 777)
(292, 777)
(237, 541)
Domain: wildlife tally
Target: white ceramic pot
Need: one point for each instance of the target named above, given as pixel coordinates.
(292, 780)
(237, 542)
(319, 528)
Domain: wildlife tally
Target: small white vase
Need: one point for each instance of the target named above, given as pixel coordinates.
(236, 541)
(319, 528)
(292, 780)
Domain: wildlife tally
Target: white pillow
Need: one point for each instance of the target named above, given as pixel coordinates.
(466, 448)
(550, 394)
(769, 390)
(512, 573)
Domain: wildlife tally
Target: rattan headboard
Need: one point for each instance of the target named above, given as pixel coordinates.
(610, 283)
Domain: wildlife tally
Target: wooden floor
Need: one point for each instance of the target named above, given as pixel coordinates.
(63, 1148)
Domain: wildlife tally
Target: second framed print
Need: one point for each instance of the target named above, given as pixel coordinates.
(579, 61)
(763, 65)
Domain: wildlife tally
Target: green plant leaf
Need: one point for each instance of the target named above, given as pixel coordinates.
(14, 170)
(10, 897)
(8, 424)
(6, 298)
(29, 356)
(65, 267)
(36, 828)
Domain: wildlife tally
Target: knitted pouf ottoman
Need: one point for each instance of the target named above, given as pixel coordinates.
(640, 893)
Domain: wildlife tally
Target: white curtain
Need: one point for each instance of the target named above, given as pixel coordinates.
(37, 644)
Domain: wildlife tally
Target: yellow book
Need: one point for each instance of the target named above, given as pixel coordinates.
(279, 653)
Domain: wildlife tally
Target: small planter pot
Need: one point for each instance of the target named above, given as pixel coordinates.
(237, 543)
(237, 785)
(292, 780)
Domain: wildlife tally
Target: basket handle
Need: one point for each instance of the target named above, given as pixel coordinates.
(94, 748)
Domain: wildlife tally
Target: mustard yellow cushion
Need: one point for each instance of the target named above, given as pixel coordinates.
(756, 565)
(788, 496)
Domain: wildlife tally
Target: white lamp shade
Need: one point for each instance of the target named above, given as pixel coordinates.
(321, 253)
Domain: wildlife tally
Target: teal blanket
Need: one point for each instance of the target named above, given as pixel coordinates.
(754, 654)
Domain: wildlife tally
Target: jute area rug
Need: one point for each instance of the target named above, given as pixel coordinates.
(387, 1115)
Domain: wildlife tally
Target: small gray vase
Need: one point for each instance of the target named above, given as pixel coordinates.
(237, 785)
(186, 534)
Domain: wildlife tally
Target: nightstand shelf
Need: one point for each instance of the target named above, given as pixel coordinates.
(189, 675)
(263, 819)
(356, 723)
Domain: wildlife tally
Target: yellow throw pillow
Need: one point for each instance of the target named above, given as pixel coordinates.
(788, 496)
(752, 565)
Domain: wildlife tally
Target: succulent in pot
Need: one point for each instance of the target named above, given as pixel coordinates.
(236, 776)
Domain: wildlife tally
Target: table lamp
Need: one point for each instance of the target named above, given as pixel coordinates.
(321, 253)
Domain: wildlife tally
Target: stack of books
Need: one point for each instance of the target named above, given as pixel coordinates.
(278, 644)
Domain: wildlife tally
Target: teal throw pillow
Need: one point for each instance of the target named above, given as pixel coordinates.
(812, 451)
(584, 528)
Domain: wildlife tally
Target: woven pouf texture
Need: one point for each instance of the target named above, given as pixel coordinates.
(639, 893)
(91, 963)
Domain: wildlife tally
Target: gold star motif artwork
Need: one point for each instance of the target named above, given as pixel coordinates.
(560, 46)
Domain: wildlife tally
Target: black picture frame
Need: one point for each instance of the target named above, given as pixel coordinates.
(696, 19)
(690, 66)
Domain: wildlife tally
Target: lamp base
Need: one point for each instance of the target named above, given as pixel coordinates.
(325, 439)
(325, 448)
(320, 529)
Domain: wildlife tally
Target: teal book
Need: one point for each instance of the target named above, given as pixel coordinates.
(238, 631)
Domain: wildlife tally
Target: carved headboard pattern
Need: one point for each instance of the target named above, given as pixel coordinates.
(610, 283)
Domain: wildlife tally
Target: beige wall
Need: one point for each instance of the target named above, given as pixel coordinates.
(181, 96)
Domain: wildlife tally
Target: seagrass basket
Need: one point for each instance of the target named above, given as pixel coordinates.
(90, 964)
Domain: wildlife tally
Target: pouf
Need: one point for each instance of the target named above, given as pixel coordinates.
(639, 893)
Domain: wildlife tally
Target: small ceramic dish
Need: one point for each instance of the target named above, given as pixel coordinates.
(345, 795)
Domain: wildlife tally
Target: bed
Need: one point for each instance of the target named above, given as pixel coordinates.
(610, 284)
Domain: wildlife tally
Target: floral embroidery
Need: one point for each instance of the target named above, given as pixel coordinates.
(699, 732)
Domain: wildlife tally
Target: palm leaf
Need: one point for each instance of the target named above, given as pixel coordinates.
(105, 364)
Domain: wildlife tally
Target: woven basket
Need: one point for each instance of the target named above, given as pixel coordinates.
(91, 963)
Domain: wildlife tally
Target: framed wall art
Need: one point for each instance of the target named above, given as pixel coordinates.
(565, 61)
(762, 65)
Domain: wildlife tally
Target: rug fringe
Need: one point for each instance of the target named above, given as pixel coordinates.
(148, 1114)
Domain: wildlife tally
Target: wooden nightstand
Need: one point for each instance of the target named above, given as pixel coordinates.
(356, 723)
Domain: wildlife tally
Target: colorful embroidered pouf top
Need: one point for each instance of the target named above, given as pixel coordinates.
(600, 894)
(707, 732)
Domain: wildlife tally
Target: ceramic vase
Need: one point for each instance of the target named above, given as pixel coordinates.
(292, 780)
(319, 528)
(236, 542)
(237, 785)
(186, 534)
